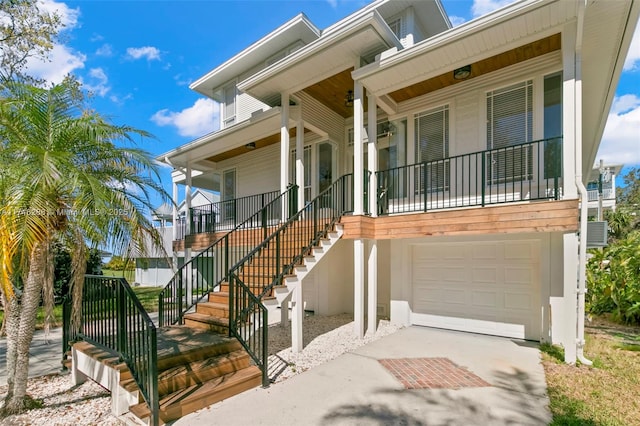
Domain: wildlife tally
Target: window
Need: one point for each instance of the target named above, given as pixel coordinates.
(229, 195)
(553, 125)
(396, 27)
(229, 105)
(432, 149)
(306, 161)
(509, 125)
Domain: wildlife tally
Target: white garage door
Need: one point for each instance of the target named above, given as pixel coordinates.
(480, 287)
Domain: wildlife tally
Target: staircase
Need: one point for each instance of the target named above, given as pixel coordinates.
(212, 342)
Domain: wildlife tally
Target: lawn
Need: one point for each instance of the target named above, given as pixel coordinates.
(148, 296)
(604, 394)
(130, 276)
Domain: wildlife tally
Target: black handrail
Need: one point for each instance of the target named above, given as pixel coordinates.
(522, 172)
(113, 318)
(265, 267)
(208, 269)
(224, 215)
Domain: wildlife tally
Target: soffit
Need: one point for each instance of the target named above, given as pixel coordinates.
(331, 92)
(484, 66)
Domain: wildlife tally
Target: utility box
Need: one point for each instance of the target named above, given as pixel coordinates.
(597, 233)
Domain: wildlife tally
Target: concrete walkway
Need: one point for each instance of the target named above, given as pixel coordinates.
(355, 388)
(45, 354)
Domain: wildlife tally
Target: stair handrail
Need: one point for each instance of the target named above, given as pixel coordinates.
(179, 296)
(113, 318)
(320, 214)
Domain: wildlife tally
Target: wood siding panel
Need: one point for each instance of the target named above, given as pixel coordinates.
(520, 218)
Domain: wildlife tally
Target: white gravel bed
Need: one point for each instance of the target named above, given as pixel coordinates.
(325, 338)
(64, 404)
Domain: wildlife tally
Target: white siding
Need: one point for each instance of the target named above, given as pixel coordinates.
(246, 105)
(257, 171)
(318, 115)
(466, 124)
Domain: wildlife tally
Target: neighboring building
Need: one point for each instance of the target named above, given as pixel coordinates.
(158, 266)
(602, 189)
(477, 140)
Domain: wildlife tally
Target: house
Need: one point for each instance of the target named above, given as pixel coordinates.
(468, 151)
(601, 189)
(391, 165)
(158, 265)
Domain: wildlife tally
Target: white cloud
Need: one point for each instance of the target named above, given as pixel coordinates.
(482, 7)
(120, 100)
(60, 62)
(98, 84)
(195, 121)
(633, 57)
(105, 50)
(457, 20)
(181, 81)
(333, 3)
(149, 52)
(68, 16)
(620, 141)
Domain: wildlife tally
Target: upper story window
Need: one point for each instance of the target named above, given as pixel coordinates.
(510, 124)
(229, 105)
(432, 149)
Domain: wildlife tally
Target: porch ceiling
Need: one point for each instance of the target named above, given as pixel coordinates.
(331, 92)
(485, 66)
(260, 143)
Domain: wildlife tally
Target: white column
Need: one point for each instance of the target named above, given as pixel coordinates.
(372, 163)
(570, 289)
(297, 315)
(569, 119)
(358, 287)
(284, 143)
(372, 289)
(174, 214)
(358, 137)
(300, 162)
(187, 249)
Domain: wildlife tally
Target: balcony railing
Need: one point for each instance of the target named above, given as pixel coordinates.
(223, 215)
(607, 194)
(529, 171)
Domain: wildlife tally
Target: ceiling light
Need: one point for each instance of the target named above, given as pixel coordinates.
(250, 145)
(348, 99)
(462, 72)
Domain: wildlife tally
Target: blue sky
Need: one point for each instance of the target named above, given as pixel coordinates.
(138, 58)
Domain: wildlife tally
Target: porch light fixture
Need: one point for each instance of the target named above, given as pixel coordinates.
(348, 99)
(462, 72)
(250, 145)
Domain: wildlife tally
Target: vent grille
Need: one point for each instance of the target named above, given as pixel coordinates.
(597, 234)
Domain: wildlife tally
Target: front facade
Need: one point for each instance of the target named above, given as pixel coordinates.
(466, 153)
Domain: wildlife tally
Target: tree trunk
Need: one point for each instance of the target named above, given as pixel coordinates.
(22, 335)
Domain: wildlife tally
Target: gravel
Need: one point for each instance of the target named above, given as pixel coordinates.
(325, 338)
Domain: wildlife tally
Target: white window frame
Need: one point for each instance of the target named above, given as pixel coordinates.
(230, 118)
(434, 174)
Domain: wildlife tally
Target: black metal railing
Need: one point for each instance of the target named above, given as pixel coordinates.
(209, 268)
(266, 265)
(225, 215)
(528, 171)
(113, 318)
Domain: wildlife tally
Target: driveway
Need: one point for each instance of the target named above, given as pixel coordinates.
(417, 376)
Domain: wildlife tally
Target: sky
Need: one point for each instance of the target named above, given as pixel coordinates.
(137, 59)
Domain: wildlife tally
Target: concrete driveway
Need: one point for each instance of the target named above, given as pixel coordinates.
(417, 376)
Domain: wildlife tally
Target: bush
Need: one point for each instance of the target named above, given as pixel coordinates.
(613, 276)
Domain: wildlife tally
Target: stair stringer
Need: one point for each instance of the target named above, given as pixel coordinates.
(279, 306)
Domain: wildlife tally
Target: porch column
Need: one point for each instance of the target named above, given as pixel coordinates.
(372, 275)
(358, 137)
(284, 148)
(372, 288)
(570, 120)
(358, 287)
(187, 249)
(297, 316)
(300, 162)
(174, 214)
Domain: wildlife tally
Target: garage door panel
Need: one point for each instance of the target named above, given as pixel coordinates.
(494, 289)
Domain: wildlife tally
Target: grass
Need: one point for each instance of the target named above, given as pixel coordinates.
(148, 296)
(605, 393)
(130, 276)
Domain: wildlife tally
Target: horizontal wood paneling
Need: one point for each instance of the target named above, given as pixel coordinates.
(546, 216)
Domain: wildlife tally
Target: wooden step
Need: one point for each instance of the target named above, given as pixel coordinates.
(207, 322)
(193, 398)
(193, 345)
(219, 310)
(195, 373)
(219, 297)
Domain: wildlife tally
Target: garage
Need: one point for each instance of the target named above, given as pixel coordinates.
(488, 287)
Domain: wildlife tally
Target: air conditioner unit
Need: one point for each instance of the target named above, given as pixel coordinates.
(597, 234)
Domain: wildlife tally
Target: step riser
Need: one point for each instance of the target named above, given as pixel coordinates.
(214, 312)
(181, 381)
(205, 326)
(198, 354)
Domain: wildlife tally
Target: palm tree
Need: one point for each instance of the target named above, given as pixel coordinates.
(63, 180)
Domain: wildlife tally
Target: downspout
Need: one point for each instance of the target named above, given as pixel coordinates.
(582, 255)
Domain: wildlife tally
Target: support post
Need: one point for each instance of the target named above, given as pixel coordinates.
(372, 287)
(297, 316)
(284, 149)
(358, 287)
(358, 138)
(300, 162)
(372, 163)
